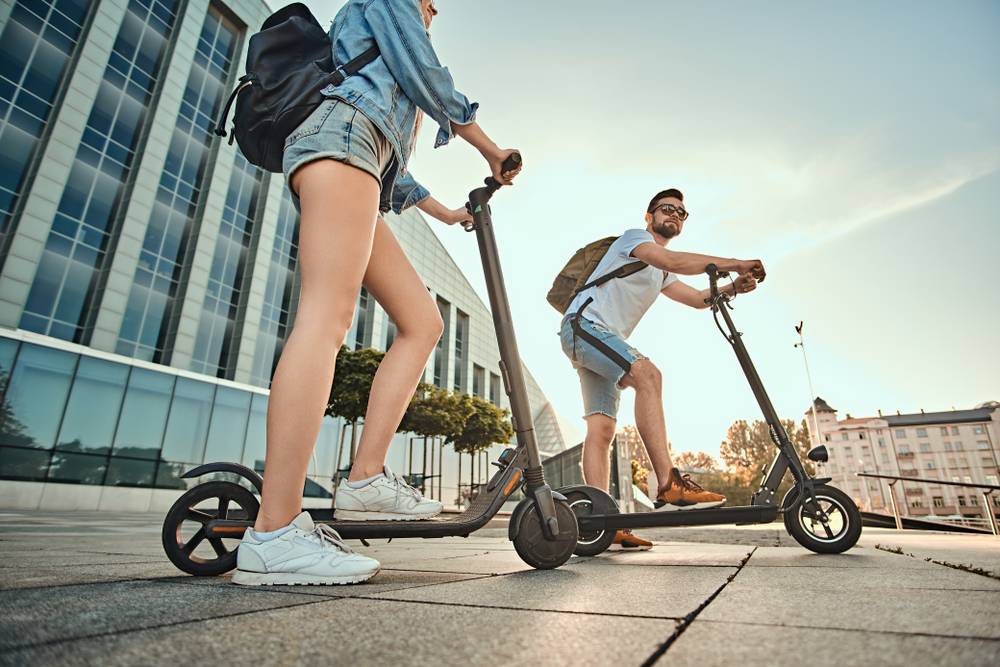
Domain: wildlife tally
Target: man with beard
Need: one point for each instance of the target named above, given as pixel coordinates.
(594, 331)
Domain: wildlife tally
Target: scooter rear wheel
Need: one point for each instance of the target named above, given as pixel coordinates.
(184, 539)
(532, 545)
(586, 503)
(834, 532)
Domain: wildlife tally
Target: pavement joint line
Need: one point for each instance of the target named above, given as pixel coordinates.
(898, 633)
(688, 619)
(509, 608)
(312, 590)
(114, 633)
(971, 569)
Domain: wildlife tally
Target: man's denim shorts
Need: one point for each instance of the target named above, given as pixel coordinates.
(338, 131)
(599, 373)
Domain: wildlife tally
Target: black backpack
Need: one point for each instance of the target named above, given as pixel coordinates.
(288, 63)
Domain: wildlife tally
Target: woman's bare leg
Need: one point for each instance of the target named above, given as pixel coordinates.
(398, 288)
(339, 208)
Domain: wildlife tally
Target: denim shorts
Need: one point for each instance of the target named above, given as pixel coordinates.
(338, 131)
(599, 371)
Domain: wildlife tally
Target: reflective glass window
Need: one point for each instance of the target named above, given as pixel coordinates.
(168, 475)
(8, 350)
(276, 315)
(130, 472)
(187, 427)
(68, 276)
(256, 440)
(73, 468)
(36, 395)
(94, 404)
(173, 222)
(229, 424)
(36, 46)
(216, 344)
(144, 414)
(23, 464)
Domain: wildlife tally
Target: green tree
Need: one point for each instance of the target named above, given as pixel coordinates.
(485, 426)
(747, 449)
(433, 413)
(699, 461)
(352, 385)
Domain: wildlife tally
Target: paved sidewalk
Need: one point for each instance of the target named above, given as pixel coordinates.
(86, 588)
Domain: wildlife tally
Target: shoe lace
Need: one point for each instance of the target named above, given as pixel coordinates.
(689, 484)
(327, 535)
(402, 488)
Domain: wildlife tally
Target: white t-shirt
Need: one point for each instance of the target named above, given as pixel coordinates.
(620, 303)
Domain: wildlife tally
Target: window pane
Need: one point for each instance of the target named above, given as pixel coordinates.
(23, 464)
(168, 475)
(229, 423)
(127, 472)
(36, 397)
(256, 442)
(144, 414)
(188, 425)
(94, 403)
(8, 350)
(77, 468)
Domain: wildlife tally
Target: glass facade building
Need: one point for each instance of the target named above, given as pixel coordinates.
(149, 273)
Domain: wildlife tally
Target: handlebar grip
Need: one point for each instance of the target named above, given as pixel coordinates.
(711, 270)
(512, 162)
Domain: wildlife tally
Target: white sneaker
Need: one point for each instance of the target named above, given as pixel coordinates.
(386, 498)
(305, 554)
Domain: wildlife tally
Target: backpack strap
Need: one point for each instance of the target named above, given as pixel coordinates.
(354, 65)
(621, 272)
(597, 343)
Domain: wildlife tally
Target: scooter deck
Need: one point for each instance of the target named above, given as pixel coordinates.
(660, 518)
(479, 513)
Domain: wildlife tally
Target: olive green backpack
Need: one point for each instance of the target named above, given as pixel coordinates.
(573, 278)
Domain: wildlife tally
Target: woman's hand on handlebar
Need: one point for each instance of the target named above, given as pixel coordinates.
(496, 160)
(448, 216)
(457, 215)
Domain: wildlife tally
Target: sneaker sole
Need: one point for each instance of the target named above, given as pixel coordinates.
(359, 515)
(243, 578)
(667, 507)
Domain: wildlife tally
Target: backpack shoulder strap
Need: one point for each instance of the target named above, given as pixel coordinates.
(354, 65)
(621, 272)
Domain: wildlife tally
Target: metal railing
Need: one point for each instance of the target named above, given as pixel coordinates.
(987, 493)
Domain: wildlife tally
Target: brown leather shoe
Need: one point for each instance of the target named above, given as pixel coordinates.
(682, 493)
(631, 542)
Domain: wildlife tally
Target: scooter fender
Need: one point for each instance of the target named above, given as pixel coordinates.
(234, 468)
(526, 505)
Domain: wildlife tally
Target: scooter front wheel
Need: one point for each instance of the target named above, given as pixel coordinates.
(831, 528)
(531, 544)
(184, 538)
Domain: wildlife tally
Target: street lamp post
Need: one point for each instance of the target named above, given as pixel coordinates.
(812, 393)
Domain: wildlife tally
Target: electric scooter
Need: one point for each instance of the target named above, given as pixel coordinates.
(542, 527)
(820, 517)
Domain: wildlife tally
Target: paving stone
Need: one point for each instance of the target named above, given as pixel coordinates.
(672, 553)
(857, 599)
(710, 643)
(856, 557)
(57, 613)
(361, 632)
(659, 592)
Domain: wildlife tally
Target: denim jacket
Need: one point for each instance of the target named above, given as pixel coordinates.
(407, 75)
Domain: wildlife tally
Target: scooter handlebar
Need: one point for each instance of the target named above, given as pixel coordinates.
(512, 162)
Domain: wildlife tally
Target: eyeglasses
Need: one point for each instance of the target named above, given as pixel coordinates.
(670, 209)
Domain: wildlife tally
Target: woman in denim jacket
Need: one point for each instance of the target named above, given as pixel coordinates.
(345, 166)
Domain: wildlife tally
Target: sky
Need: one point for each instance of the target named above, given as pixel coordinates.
(854, 147)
